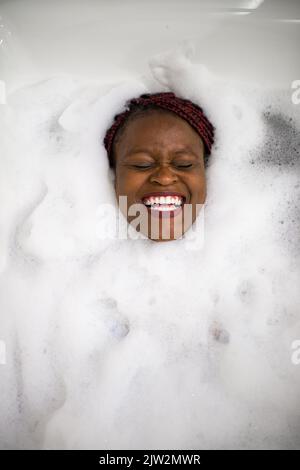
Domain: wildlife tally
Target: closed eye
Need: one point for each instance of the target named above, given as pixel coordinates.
(143, 166)
(188, 165)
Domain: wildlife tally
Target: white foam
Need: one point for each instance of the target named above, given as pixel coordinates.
(136, 344)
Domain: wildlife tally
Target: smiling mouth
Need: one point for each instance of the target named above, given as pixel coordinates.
(166, 203)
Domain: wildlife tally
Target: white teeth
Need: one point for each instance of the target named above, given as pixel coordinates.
(160, 202)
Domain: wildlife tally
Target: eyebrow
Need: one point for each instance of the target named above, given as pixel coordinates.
(176, 152)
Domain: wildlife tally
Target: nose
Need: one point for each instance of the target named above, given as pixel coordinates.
(164, 176)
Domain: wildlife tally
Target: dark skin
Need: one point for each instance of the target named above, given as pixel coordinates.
(157, 152)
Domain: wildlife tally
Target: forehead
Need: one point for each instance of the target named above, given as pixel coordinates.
(158, 127)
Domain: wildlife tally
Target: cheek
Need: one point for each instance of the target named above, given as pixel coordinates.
(197, 187)
(128, 183)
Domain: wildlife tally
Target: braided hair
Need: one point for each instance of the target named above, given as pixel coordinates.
(137, 107)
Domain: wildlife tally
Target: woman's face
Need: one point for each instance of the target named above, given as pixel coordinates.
(159, 155)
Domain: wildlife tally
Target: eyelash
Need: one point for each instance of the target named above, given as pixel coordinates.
(188, 165)
(146, 167)
(142, 166)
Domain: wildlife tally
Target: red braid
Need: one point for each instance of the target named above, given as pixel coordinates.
(187, 110)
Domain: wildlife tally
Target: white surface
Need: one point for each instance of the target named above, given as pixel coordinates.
(109, 39)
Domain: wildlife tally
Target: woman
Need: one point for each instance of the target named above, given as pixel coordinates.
(158, 149)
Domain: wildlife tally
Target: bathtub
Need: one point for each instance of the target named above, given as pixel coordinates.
(141, 346)
(255, 41)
